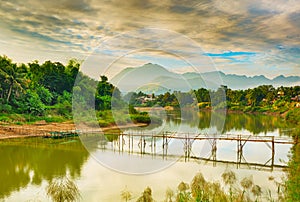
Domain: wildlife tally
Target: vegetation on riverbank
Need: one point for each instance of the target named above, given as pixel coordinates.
(264, 99)
(293, 182)
(34, 92)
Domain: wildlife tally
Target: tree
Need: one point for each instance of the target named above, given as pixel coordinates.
(13, 76)
(30, 103)
(202, 95)
(104, 93)
(44, 94)
(255, 96)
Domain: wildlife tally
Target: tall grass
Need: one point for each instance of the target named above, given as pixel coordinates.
(63, 190)
(230, 189)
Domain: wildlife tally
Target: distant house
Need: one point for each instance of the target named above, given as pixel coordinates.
(147, 98)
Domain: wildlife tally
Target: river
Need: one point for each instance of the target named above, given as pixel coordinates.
(114, 163)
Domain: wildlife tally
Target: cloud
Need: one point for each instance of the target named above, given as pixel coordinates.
(79, 26)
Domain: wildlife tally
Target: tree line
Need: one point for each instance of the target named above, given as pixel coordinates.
(46, 90)
(261, 98)
(40, 89)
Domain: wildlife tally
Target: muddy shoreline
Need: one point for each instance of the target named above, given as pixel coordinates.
(41, 129)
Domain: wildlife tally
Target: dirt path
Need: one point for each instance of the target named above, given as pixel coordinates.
(43, 129)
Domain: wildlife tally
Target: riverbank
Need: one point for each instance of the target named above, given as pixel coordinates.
(41, 128)
(229, 111)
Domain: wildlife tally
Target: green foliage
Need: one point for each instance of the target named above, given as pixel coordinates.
(30, 104)
(294, 116)
(12, 79)
(54, 118)
(105, 94)
(138, 118)
(6, 108)
(292, 192)
(34, 88)
(103, 123)
(4, 118)
(44, 94)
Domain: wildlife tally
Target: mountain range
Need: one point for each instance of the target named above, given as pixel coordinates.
(153, 78)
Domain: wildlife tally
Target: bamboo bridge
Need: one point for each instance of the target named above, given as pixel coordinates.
(158, 145)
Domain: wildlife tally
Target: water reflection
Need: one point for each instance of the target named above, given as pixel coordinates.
(34, 160)
(253, 123)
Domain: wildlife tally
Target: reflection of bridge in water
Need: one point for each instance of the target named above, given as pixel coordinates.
(158, 145)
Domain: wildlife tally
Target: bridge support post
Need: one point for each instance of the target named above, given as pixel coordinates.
(273, 153)
(239, 150)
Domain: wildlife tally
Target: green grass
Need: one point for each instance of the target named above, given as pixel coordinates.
(21, 119)
(293, 116)
(293, 182)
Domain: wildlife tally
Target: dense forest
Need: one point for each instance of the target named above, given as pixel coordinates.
(33, 91)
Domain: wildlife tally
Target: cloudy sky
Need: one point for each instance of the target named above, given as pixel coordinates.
(250, 37)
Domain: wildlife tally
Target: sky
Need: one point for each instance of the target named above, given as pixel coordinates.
(250, 37)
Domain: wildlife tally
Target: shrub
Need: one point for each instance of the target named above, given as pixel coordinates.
(293, 116)
(5, 108)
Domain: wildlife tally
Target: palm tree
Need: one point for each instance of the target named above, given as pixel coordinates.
(13, 76)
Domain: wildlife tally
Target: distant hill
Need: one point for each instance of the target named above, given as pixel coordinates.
(153, 78)
(152, 88)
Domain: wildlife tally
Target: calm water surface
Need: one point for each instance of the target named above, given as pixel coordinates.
(28, 165)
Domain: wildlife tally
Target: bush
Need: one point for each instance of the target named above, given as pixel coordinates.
(293, 116)
(5, 108)
(138, 118)
(64, 109)
(103, 123)
(5, 118)
(57, 119)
